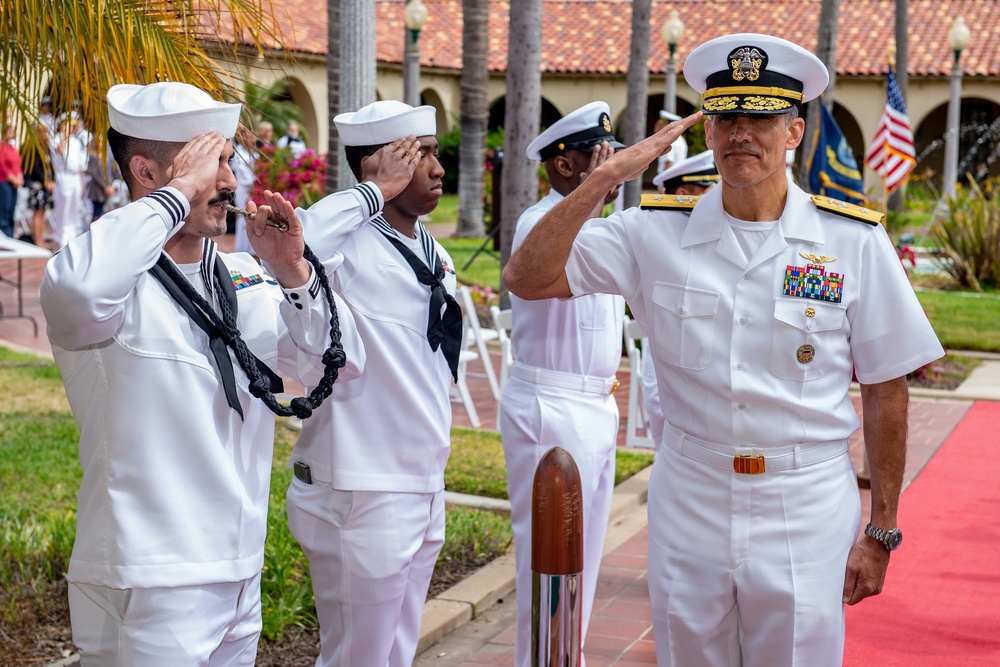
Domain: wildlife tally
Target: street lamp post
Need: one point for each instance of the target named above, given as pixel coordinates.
(415, 16)
(673, 30)
(958, 38)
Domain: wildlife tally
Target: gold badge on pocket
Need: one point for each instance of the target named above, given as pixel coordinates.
(805, 353)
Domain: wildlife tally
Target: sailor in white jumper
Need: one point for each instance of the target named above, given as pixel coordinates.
(560, 390)
(175, 451)
(367, 499)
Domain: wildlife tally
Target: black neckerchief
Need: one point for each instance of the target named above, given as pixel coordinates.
(219, 341)
(444, 331)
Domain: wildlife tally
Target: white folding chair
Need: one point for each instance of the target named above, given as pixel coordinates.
(476, 336)
(502, 321)
(637, 423)
(460, 390)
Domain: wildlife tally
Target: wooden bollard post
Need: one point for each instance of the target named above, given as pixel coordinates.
(556, 561)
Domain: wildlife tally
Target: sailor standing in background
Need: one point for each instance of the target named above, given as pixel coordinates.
(561, 386)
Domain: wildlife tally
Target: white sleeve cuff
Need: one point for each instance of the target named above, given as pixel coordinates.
(170, 204)
(370, 198)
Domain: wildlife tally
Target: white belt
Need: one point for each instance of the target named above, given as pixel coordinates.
(751, 460)
(585, 383)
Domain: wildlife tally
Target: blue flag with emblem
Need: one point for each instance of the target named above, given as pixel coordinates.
(833, 171)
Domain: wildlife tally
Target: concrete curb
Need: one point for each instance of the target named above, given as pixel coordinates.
(471, 596)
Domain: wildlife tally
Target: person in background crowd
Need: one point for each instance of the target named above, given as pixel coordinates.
(293, 140)
(11, 177)
(265, 135)
(760, 301)
(38, 178)
(69, 160)
(243, 161)
(678, 150)
(98, 185)
(561, 386)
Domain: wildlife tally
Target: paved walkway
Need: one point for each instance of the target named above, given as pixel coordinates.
(471, 624)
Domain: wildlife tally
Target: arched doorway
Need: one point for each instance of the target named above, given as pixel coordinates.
(978, 140)
(549, 115)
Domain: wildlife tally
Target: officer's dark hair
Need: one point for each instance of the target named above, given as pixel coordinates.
(356, 153)
(124, 147)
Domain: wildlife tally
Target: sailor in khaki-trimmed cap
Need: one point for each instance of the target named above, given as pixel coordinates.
(692, 176)
(169, 350)
(561, 386)
(759, 301)
(367, 498)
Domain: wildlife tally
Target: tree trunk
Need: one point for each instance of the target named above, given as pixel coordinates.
(475, 117)
(332, 93)
(826, 50)
(638, 90)
(357, 68)
(522, 111)
(895, 202)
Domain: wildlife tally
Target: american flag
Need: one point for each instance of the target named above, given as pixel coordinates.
(891, 153)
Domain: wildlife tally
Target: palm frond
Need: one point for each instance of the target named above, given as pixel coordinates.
(75, 51)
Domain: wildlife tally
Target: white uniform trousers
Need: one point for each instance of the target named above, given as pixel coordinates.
(212, 625)
(534, 419)
(748, 570)
(371, 554)
(67, 207)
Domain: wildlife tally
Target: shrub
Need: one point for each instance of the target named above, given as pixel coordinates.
(301, 180)
(969, 237)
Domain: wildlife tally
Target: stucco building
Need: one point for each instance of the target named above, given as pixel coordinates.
(585, 55)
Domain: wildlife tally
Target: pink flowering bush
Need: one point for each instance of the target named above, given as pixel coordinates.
(301, 180)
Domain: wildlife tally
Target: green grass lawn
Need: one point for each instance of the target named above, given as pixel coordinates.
(964, 320)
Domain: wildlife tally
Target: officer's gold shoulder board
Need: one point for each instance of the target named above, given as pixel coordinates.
(669, 202)
(852, 211)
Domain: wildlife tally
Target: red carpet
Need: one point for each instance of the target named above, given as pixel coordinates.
(941, 602)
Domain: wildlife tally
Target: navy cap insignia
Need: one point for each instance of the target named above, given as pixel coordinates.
(805, 353)
(747, 61)
(605, 123)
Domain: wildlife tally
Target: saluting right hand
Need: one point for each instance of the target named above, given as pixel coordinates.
(195, 169)
(391, 167)
(629, 163)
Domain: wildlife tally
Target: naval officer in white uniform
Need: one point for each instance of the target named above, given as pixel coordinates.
(175, 448)
(760, 301)
(367, 499)
(561, 385)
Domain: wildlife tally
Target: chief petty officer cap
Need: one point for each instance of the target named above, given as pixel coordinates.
(698, 169)
(579, 130)
(169, 111)
(749, 73)
(385, 121)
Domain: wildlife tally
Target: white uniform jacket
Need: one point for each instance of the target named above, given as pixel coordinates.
(388, 430)
(580, 336)
(175, 484)
(740, 352)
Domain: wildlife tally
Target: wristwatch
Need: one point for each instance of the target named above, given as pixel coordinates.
(890, 539)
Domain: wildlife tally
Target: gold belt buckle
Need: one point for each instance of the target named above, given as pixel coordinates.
(614, 386)
(748, 464)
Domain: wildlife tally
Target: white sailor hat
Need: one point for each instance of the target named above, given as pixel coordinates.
(169, 111)
(698, 170)
(666, 115)
(749, 73)
(385, 121)
(579, 130)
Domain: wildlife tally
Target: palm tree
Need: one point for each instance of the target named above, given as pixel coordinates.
(333, 159)
(522, 113)
(75, 51)
(475, 116)
(638, 90)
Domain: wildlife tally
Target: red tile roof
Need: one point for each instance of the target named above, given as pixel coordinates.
(592, 36)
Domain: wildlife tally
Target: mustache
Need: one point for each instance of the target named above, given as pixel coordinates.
(742, 148)
(224, 197)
